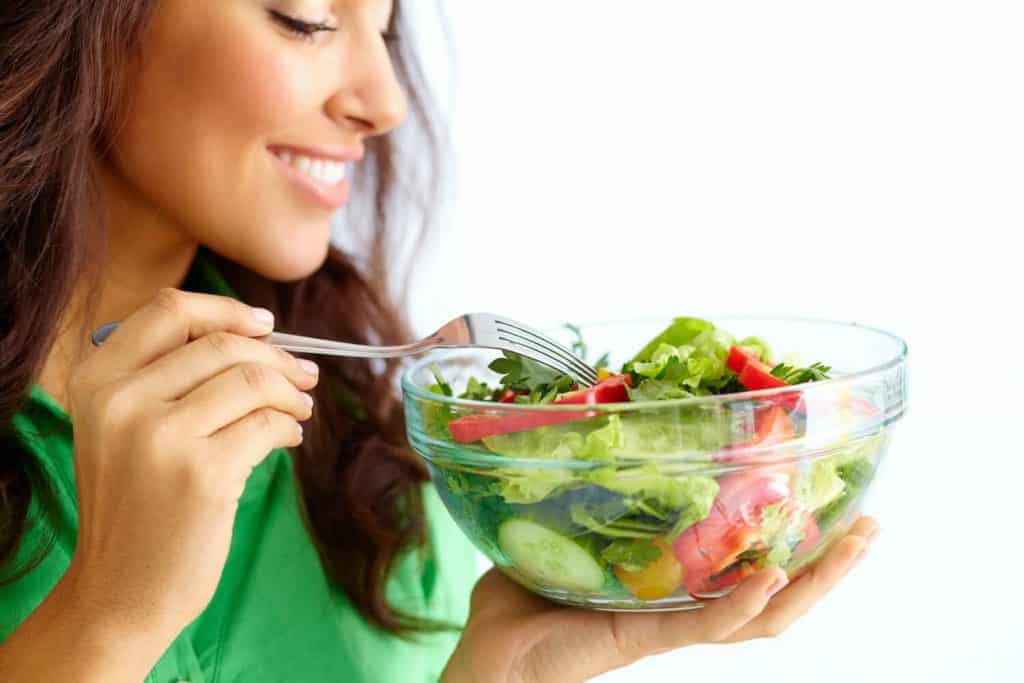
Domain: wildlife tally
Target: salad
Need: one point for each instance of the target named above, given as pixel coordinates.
(649, 503)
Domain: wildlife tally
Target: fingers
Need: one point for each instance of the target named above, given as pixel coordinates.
(720, 618)
(812, 586)
(250, 439)
(184, 369)
(638, 635)
(237, 392)
(749, 611)
(172, 319)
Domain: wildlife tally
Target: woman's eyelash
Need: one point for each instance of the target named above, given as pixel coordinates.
(300, 27)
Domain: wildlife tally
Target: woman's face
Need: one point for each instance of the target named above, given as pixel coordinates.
(238, 128)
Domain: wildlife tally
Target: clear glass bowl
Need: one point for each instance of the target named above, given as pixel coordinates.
(678, 500)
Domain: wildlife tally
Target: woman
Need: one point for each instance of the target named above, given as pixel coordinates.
(161, 163)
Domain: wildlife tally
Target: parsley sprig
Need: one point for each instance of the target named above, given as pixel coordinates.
(793, 375)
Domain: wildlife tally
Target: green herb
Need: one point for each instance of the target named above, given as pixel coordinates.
(523, 374)
(477, 390)
(441, 382)
(623, 527)
(579, 347)
(792, 375)
(633, 556)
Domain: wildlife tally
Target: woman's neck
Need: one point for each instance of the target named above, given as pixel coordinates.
(145, 253)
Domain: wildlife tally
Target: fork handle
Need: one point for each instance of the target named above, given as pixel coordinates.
(324, 347)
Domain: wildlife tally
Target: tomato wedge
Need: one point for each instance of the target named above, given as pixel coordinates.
(710, 546)
(773, 425)
(811, 535)
(738, 358)
(757, 375)
(470, 428)
(507, 396)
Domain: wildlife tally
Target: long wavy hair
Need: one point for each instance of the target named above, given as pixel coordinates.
(61, 74)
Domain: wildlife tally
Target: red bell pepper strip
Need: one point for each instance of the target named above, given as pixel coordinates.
(469, 428)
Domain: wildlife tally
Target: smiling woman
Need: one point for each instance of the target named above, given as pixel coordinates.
(164, 514)
(205, 146)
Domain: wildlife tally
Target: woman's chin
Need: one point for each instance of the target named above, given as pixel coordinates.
(294, 258)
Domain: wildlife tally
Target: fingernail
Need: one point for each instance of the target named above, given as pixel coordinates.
(308, 399)
(871, 534)
(301, 430)
(858, 557)
(777, 585)
(309, 367)
(263, 316)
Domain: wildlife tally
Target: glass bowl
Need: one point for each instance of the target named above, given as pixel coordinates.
(660, 505)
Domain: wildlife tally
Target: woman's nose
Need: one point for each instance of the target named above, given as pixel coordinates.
(372, 96)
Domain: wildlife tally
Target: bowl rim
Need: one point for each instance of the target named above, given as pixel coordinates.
(410, 388)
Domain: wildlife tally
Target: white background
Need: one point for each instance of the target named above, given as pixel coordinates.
(858, 161)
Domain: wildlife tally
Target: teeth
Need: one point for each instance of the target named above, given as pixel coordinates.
(324, 171)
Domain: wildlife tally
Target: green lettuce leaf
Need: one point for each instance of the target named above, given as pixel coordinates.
(681, 332)
(532, 485)
(781, 532)
(690, 496)
(657, 390)
(759, 346)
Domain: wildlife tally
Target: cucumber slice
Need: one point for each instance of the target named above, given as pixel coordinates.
(548, 557)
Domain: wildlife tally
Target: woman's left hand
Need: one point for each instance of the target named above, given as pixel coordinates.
(514, 636)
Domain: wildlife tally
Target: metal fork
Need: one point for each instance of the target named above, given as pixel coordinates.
(483, 330)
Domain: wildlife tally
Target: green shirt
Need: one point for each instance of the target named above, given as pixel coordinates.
(274, 617)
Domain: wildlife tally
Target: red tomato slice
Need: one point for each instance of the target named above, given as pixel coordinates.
(733, 525)
(773, 425)
(757, 375)
(469, 428)
(738, 358)
(811, 535)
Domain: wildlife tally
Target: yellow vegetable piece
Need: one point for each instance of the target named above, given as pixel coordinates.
(660, 579)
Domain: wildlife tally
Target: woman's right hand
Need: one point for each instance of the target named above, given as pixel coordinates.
(170, 416)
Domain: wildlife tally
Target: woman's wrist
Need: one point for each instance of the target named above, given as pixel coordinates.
(96, 640)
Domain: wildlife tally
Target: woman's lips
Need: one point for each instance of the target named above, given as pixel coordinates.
(319, 177)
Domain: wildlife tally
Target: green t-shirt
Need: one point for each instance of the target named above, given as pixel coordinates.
(274, 617)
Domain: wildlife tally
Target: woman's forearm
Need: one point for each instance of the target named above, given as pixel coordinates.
(71, 637)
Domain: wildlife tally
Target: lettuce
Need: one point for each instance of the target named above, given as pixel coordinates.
(681, 332)
(758, 346)
(559, 442)
(691, 496)
(696, 368)
(781, 532)
(532, 485)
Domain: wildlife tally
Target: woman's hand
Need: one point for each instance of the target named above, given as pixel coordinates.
(514, 636)
(170, 416)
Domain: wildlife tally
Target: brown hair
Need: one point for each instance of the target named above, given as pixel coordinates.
(60, 76)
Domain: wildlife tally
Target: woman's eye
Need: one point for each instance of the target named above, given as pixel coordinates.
(299, 27)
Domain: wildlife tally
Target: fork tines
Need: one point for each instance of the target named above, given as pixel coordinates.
(538, 344)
